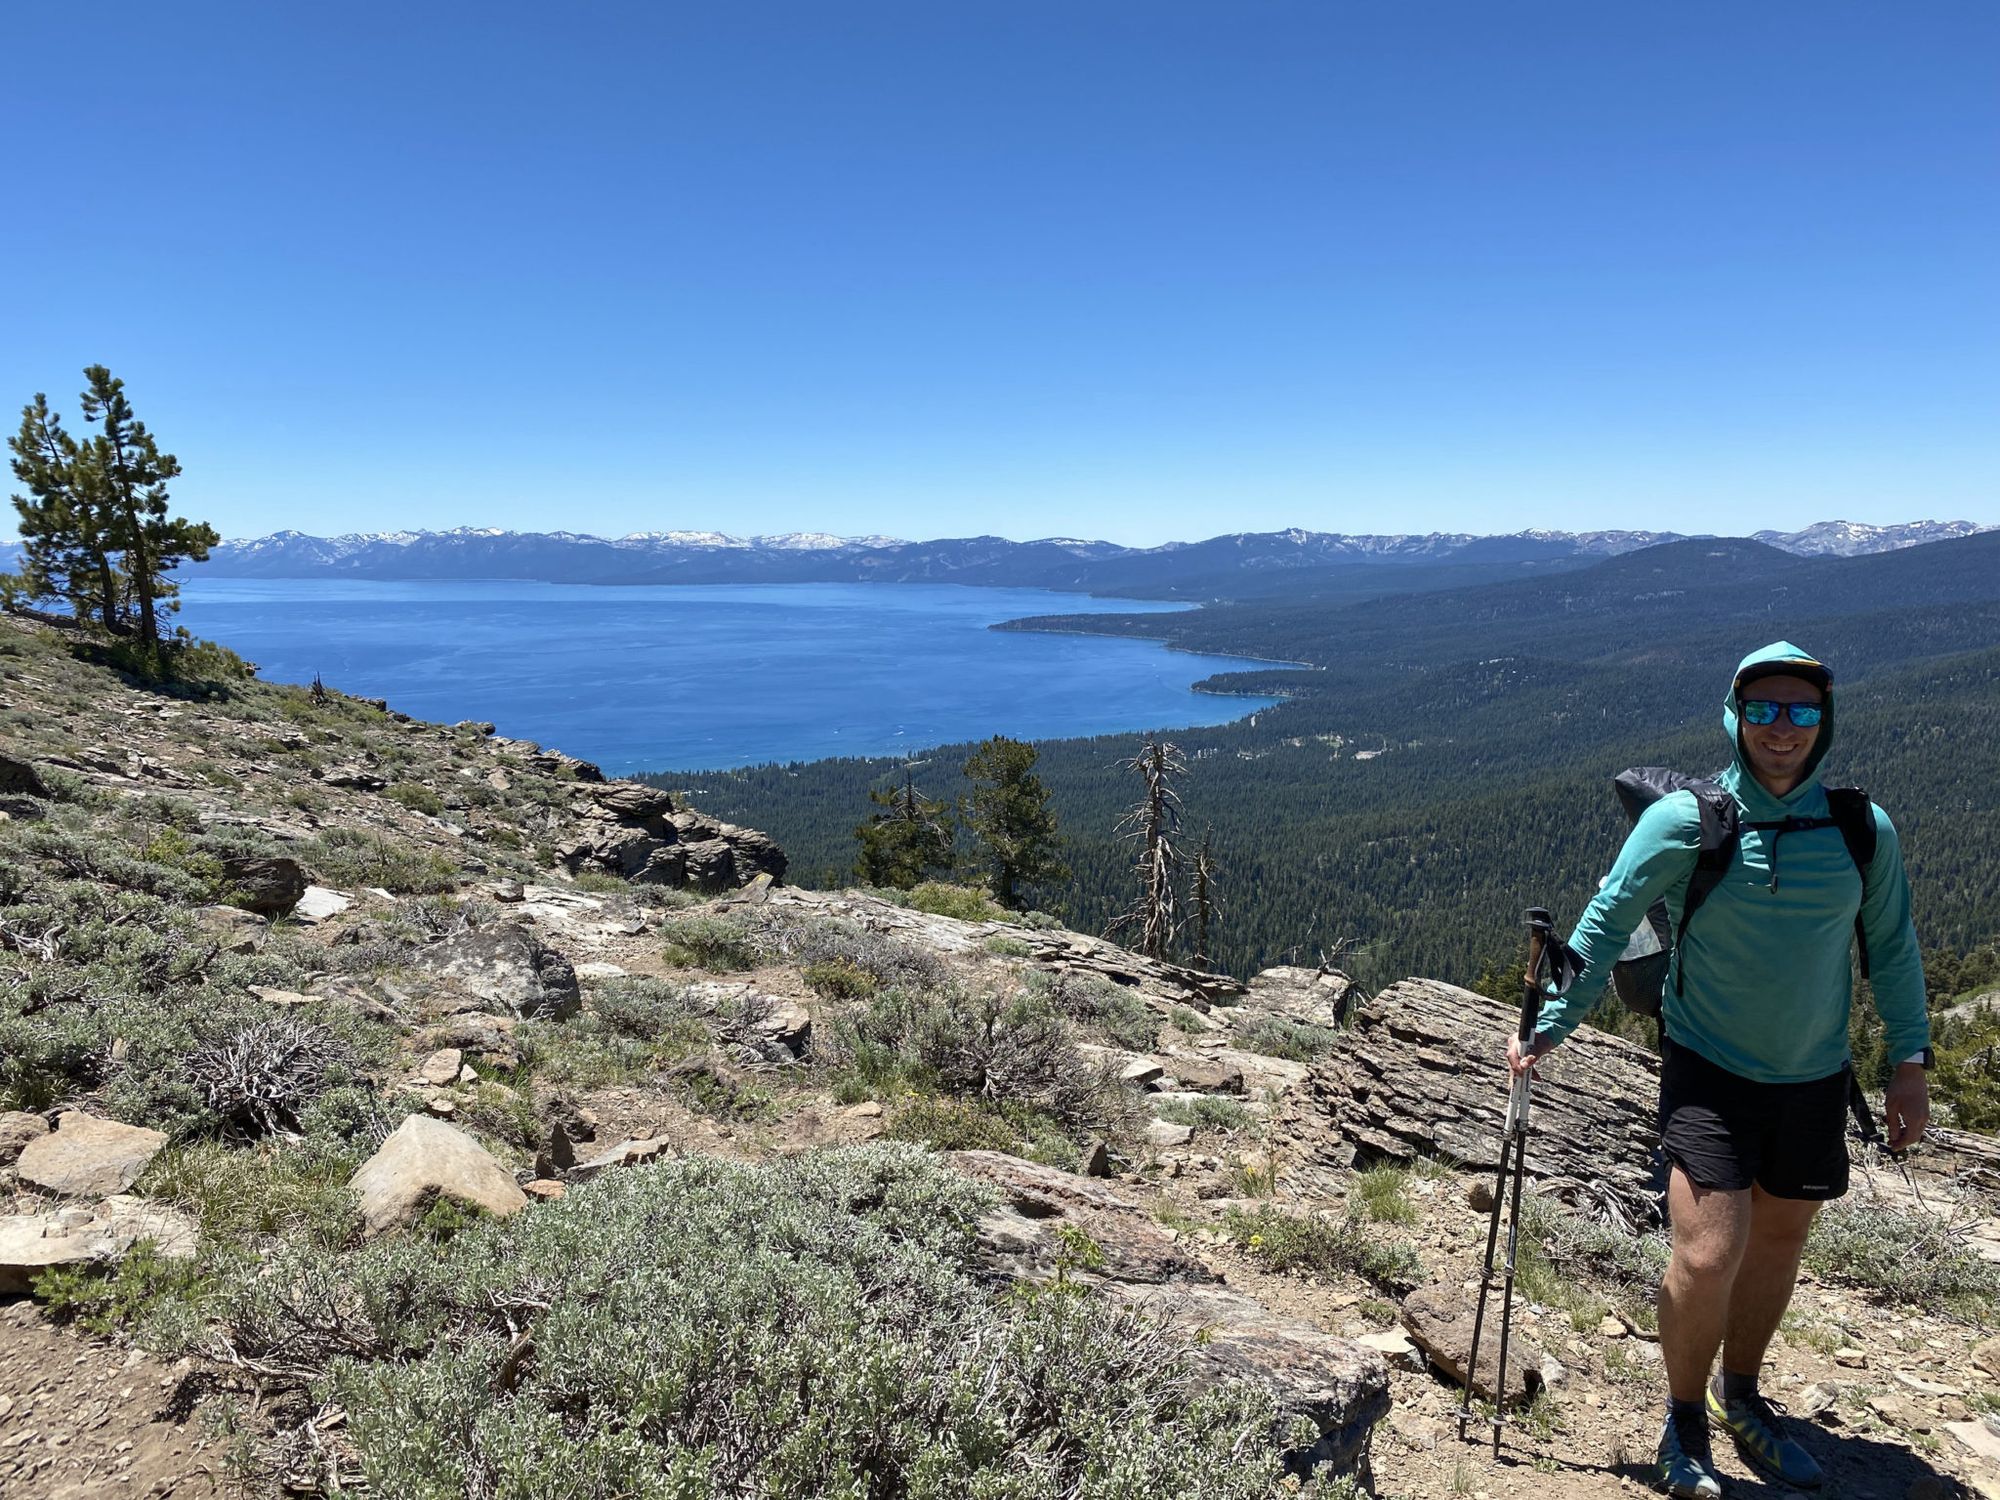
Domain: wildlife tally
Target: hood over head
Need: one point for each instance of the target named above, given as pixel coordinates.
(1779, 659)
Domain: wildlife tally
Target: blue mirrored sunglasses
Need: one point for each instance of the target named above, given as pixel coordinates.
(1765, 711)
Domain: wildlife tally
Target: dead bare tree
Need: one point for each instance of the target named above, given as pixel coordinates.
(1206, 901)
(1154, 826)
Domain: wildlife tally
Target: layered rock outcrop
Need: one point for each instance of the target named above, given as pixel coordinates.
(638, 832)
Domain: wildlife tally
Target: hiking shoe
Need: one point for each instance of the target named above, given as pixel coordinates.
(1760, 1436)
(1686, 1469)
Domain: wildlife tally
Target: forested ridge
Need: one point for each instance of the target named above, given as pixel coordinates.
(1496, 716)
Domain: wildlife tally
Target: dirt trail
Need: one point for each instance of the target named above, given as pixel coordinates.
(82, 1419)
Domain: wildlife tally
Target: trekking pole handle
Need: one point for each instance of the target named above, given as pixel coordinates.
(1541, 930)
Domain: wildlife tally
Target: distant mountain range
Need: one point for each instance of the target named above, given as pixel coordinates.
(1244, 565)
(1248, 564)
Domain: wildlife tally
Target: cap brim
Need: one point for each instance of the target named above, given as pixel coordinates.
(1798, 666)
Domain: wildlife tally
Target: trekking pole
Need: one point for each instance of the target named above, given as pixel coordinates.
(1513, 1152)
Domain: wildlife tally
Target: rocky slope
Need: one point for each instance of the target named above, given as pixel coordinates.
(302, 1003)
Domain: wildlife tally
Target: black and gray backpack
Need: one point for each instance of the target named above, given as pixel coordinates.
(1640, 975)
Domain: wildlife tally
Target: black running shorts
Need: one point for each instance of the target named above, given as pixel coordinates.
(1727, 1132)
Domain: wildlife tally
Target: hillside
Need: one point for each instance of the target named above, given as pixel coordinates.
(1447, 759)
(1291, 565)
(393, 1104)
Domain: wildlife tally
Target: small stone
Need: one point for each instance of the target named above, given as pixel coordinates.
(1140, 1072)
(1479, 1196)
(1925, 1387)
(287, 999)
(441, 1067)
(442, 1106)
(867, 1109)
(508, 891)
(599, 970)
(1816, 1402)
(1096, 1160)
(1851, 1358)
(1611, 1326)
(466, 1074)
(547, 1189)
(1165, 1133)
(1395, 1346)
(318, 903)
(1986, 1356)
(1888, 1408)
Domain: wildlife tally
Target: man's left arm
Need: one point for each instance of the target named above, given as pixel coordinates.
(1896, 975)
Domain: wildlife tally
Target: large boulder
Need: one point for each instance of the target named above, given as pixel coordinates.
(1440, 1318)
(1422, 1071)
(85, 1157)
(635, 803)
(1315, 997)
(1032, 1234)
(1335, 1383)
(20, 778)
(424, 1160)
(268, 885)
(234, 929)
(506, 967)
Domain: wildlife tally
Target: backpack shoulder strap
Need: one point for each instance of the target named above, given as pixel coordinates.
(1854, 814)
(1720, 833)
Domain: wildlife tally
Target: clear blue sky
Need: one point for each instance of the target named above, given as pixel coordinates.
(1132, 270)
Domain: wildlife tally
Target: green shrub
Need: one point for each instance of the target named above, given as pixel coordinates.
(1322, 1246)
(839, 979)
(1207, 1113)
(962, 901)
(701, 1330)
(890, 962)
(1000, 945)
(296, 1192)
(353, 858)
(1904, 1256)
(1568, 1261)
(1119, 1015)
(107, 1299)
(718, 944)
(952, 1125)
(417, 797)
(600, 883)
(1381, 1191)
(1274, 1036)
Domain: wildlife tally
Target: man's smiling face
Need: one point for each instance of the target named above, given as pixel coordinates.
(1778, 751)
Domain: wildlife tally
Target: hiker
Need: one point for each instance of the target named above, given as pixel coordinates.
(1754, 1064)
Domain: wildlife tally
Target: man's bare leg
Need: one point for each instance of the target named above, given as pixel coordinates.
(1711, 1231)
(1765, 1279)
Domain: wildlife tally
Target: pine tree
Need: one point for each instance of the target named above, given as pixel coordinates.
(133, 474)
(62, 518)
(908, 841)
(1153, 824)
(1008, 811)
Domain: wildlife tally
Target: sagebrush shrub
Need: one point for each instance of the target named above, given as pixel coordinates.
(803, 1329)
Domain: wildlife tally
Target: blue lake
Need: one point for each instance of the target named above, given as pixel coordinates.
(697, 677)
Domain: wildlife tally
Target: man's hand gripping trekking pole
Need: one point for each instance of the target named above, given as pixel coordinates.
(1551, 968)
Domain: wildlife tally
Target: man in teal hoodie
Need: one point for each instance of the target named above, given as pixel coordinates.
(1753, 1048)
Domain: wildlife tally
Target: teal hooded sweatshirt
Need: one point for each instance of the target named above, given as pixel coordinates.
(1762, 983)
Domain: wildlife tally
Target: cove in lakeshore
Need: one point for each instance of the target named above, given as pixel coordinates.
(707, 677)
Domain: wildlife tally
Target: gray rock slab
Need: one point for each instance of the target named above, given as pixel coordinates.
(85, 1157)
